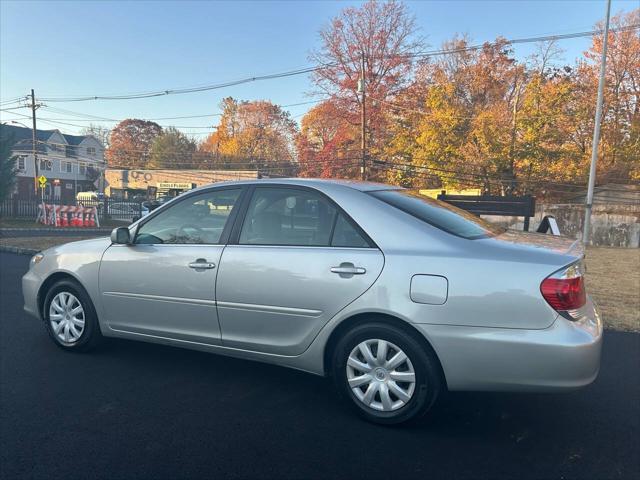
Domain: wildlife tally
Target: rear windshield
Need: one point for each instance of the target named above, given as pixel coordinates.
(439, 214)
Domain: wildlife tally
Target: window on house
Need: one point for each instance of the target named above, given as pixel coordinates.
(56, 148)
(46, 165)
(82, 168)
(66, 167)
(20, 163)
(91, 151)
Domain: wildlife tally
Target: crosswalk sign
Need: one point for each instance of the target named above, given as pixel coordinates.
(43, 181)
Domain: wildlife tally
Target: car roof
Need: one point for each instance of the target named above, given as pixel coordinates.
(311, 182)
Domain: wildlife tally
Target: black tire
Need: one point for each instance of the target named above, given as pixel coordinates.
(428, 383)
(91, 335)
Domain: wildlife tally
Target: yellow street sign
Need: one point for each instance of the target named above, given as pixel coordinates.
(43, 180)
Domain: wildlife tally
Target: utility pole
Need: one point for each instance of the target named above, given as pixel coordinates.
(596, 131)
(35, 144)
(363, 120)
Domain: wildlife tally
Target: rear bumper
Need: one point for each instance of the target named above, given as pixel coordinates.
(564, 356)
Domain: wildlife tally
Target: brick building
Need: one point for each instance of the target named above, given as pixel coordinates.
(126, 184)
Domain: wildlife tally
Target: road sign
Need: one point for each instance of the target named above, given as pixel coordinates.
(43, 181)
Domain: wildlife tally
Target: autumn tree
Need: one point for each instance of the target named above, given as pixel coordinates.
(256, 134)
(172, 149)
(456, 120)
(100, 132)
(384, 33)
(326, 146)
(619, 159)
(131, 141)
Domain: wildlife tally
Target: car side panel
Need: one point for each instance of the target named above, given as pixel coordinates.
(79, 260)
(276, 299)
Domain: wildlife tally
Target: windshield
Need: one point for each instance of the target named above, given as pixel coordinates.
(439, 214)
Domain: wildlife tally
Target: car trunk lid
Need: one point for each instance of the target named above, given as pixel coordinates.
(540, 241)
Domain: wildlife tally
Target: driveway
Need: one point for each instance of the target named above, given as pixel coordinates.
(148, 411)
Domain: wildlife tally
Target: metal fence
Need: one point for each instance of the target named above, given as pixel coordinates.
(108, 209)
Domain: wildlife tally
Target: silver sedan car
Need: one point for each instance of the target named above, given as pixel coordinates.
(394, 295)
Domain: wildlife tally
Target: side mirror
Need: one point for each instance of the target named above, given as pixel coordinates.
(120, 235)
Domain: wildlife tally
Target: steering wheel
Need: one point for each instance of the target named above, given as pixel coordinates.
(181, 230)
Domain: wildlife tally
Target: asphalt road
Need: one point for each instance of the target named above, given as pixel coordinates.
(147, 411)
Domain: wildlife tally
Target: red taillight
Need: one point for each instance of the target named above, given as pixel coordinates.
(564, 293)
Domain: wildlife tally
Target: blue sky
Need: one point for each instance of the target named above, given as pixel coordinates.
(112, 47)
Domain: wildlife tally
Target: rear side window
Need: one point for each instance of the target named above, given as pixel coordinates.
(439, 214)
(288, 216)
(346, 235)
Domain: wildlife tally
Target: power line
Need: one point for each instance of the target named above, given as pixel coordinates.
(478, 178)
(90, 118)
(542, 38)
(301, 71)
(204, 88)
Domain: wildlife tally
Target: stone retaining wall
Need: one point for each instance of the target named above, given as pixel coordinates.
(613, 225)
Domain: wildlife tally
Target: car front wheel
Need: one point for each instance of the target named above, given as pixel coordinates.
(70, 318)
(385, 373)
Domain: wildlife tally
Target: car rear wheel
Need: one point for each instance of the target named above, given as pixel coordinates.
(385, 373)
(70, 318)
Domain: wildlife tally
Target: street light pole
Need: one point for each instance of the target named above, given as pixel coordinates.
(596, 130)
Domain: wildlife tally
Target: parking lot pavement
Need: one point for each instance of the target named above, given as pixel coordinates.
(147, 411)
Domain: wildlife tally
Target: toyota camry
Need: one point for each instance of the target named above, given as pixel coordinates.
(397, 297)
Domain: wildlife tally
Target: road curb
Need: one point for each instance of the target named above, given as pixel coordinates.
(18, 250)
(62, 229)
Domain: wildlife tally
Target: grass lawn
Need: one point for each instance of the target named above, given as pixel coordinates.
(613, 278)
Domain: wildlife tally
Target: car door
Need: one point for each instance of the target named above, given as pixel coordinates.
(293, 262)
(163, 284)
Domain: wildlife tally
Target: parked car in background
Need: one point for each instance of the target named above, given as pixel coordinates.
(127, 211)
(89, 197)
(394, 295)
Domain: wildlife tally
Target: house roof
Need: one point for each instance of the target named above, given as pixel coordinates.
(74, 139)
(24, 137)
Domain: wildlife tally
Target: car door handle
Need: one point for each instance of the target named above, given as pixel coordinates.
(201, 263)
(348, 269)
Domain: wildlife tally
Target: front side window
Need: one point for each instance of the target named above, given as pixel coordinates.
(287, 216)
(198, 219)
(91, 151)
(439, 214)
(20, 163)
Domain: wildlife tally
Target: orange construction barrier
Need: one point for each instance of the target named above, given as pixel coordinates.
(64, 217)
(79, 219)
(90, 222)
(68, 215)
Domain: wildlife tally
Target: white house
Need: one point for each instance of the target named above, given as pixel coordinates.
(71, 163)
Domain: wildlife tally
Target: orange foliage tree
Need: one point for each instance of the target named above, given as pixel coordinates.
(256, 134)
(130, 143)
